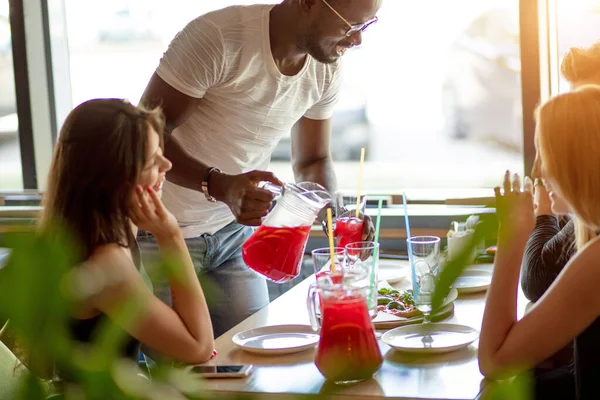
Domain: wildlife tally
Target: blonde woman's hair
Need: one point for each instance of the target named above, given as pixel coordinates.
(583, 233)
(582, 64)
(569, 145)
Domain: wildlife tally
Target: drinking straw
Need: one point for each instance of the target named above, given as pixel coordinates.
(375, 250)
(360, 178)
(330, 232)
(376, 240)
(410, 252)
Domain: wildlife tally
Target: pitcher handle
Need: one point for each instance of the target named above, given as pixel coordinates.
(313, 290)
(271, 187)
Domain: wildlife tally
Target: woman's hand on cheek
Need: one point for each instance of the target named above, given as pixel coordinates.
(148, 213)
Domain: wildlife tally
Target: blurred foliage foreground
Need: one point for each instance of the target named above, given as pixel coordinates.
(39, 289)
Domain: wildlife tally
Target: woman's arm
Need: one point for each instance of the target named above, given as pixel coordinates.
(183, 332)
(508, 346)
(569, 306)
(547, 252)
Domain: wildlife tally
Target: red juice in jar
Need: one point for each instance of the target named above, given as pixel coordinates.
(276, 253)
(348, 230)
(348, 350)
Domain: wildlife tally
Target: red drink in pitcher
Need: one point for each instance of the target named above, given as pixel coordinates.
(276, 253)
(348, 349)
(348, 230)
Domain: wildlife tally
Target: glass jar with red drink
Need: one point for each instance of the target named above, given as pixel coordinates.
(348, 350)
(276, 248)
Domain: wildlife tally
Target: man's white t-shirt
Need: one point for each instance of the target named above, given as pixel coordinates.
(224, 58)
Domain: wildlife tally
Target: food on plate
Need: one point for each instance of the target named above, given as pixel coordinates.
(397, 302)
(491, 250)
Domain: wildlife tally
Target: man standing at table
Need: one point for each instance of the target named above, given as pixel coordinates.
(231, 83)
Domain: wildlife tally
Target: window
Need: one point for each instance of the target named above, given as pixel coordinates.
(115, 53)
(10, 153)
(577, 25)
(433, 94)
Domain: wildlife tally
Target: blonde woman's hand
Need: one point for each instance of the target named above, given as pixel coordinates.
(541, 200)
(149, 214)
(514, 208)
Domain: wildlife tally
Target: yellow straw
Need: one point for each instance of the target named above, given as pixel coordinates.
(331, 247)
(360, 177)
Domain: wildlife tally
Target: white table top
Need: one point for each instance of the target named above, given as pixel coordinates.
(448, 376)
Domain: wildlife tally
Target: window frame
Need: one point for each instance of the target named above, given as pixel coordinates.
(37, 97)
(34, 89)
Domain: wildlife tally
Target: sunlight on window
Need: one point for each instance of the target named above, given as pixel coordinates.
(578, 25)
(433, 94)
(10, 153)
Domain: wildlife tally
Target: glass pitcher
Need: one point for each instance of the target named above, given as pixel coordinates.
(276, 248)
(348, 351)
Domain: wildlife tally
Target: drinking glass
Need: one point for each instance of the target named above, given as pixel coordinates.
(362, 261)
(347, 227)
(424, 254)
(322, 261)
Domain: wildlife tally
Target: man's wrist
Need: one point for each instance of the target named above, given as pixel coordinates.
(215, 184)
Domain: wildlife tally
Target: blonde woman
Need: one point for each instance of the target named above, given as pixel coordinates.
(552, 242)
(568, 141)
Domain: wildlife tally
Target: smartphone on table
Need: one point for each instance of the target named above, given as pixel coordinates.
(221, 371)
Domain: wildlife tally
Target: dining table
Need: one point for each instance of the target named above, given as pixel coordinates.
(454, 375)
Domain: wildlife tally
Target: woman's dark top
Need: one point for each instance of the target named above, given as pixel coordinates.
(587, 362)
(85, 330)
(548, 250)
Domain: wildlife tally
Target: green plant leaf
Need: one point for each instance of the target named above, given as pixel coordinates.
(454, 267)
(518, 388)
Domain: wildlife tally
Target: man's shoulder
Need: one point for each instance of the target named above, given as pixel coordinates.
(233, 16)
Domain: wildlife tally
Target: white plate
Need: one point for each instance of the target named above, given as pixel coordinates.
(430, 338)
(473, 281)
(480, 267)
(277, 339)
(393, 271)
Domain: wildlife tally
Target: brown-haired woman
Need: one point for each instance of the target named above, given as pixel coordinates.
(105, 183)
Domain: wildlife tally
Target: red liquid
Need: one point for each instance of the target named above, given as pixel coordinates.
(348, 349)
(348, 230)
(276, 253)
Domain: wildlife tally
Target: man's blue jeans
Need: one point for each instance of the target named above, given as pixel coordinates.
(233, 292)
